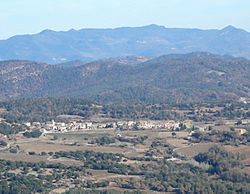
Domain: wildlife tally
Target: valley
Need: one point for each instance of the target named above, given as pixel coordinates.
(102, 150)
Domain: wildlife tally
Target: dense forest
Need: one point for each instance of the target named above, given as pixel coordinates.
(45, 109)
(194, 77)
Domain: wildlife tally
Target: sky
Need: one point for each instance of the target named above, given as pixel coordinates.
(33, 16)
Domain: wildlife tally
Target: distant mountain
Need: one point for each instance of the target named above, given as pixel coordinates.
(193, 77)
(151, 41)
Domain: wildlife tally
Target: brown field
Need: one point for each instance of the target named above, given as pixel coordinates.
(65, 161)
(178, 143)
(79, 136)
(242, 149)
(247, 170)
(246, 162)
(102, 175)
(192, 150)
(144, 191)
(42, 146)
(36, 158)
(22, 157)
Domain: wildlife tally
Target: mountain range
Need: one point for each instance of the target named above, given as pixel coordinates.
(192, 77)
(149, 41)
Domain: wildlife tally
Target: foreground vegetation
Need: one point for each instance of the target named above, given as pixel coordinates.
(219, 175)
(207, 152)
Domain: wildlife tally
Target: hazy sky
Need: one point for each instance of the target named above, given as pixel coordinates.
(32, 16)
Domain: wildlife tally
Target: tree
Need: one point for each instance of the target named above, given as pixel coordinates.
(3, 143)
(173, 134)
(34, 134)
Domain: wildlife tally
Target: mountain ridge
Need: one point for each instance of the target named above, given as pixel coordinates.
(149, 41)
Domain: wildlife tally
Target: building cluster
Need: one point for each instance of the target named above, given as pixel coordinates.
(53, 126)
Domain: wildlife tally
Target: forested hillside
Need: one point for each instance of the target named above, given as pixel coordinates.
(170, 78)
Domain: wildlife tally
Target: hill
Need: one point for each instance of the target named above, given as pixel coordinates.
(169, 78)
(151, 41)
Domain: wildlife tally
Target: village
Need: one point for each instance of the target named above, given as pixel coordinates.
(79, 125)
